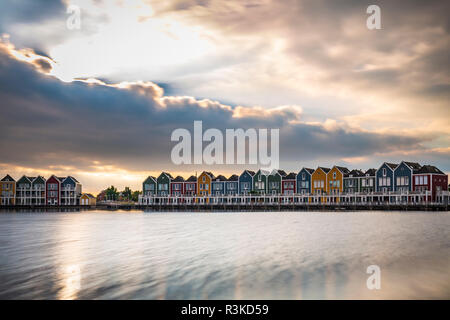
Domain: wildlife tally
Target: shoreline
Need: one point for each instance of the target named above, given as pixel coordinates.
(231, 207)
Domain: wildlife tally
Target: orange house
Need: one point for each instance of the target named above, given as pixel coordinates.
(204, 183)
(335, 178)
(7, 191)
(319, 182)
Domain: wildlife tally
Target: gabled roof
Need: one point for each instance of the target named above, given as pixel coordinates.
(192, 179)
(220, 178)
(69, 177)
(343, 170)
(150, 178)
(370, 172)
(233, 177)
(61, 179)
(282, 173)
(391, 165)
(167, 174)
(309, 170)
(28, 179)
(88, 195)
(290, 176)
(8, 178)
(354, 173)
(263, 172)
(413, 165)
(178, 179)
(429, 169)
(209, 174)
(36, 180)
(326, 170)
(252, 173)
(74, 179)
(56, 178)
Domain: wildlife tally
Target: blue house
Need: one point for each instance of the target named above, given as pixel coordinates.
(304, 181)
(70, 191)
(403, 176)
(232, 185)
(385, 177)
(246, 182)
(218, 186)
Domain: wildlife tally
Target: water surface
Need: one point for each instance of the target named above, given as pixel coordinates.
(274, 255)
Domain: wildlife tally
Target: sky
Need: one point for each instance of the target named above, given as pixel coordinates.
(100, 102)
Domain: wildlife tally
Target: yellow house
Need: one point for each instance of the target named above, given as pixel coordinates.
(7, 191)
(319, 182)
(335, 178)
(204, 183)
(88, 199)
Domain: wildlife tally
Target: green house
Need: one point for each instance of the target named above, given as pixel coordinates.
(23, 190)
(149, 186)
(260, 182)
(163, 184)
(274, 181)
(352, 181)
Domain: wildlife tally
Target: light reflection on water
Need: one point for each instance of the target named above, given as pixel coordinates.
(304, 255)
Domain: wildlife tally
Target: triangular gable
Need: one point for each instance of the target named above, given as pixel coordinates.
(53, 178)
(342, 170)
(391, 166)
(150, 179)
(24, 179)
(8, 178)
(69, 180)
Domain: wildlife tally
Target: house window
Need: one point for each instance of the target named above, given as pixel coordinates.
(384, 172)
(425, 180)
(303, 176)
(334, 175)
(204, 179)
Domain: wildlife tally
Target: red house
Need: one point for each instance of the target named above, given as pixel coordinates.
(288, 184)
(190, 186)
(53, 190)
(430, 178)
(176, 186)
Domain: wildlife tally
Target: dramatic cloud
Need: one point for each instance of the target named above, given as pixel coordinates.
(89, 126)
(92, 100)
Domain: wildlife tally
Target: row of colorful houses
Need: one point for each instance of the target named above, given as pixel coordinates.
(40, 191)
(389, 177)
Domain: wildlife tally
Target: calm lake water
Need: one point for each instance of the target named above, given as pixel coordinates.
(276, 255)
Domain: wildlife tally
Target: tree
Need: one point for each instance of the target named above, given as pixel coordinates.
(135, 196)
(111, 193)
(126, 194)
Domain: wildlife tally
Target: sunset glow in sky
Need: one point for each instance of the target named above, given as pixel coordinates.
(101, 102)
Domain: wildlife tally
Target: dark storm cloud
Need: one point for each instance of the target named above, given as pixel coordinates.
(28, 11)
(407, 56)
(45, 122)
